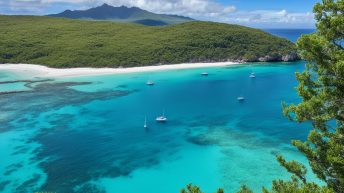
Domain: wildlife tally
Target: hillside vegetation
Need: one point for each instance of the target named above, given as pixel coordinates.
(59, 42)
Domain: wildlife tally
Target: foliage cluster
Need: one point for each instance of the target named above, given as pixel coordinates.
(58, 42)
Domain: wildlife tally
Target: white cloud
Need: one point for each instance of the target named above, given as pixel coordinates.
(198, 9)
(265, 17)
(24, 6)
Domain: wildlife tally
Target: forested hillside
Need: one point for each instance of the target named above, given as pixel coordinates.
(59, 42)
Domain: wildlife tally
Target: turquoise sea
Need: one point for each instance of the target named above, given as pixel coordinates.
(86, 134)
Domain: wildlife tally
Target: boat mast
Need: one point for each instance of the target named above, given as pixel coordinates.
(145, 125)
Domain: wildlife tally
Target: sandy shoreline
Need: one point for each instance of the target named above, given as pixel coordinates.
(45, 72)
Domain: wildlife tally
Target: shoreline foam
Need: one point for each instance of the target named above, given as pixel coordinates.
(46, 72)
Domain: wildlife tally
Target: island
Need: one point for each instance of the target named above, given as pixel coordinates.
(69, 43)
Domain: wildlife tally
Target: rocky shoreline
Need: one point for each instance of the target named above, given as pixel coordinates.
(268, 58)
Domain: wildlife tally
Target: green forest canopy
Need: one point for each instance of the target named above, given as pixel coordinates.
(58, 42)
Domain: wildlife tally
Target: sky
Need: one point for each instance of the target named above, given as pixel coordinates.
(253, 13)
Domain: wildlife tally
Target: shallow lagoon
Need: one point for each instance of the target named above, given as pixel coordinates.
(86, 134)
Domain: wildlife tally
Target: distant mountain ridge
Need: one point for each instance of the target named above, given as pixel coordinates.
(123, 14)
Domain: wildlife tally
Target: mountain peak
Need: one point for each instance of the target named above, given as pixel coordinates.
(110, 6)
(123, 13)
(105, 5)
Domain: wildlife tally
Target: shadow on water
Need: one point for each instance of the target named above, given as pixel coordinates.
(78, 156)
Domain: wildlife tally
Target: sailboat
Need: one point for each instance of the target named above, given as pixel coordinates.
(252, 75)
(145, 125)
(161, 118)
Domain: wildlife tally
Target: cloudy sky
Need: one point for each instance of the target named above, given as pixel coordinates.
(254, 13)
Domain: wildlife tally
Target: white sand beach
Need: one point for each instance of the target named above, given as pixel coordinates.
(44, 72)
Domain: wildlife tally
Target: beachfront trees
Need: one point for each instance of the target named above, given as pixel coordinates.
(321, 87)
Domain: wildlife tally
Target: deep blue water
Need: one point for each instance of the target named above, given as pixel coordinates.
(291, 34)
(86, 134)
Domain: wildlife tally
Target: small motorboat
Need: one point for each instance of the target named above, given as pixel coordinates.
(161, 118)
(204, 74)
(150, 83)
(252, 75)
(241, 98)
